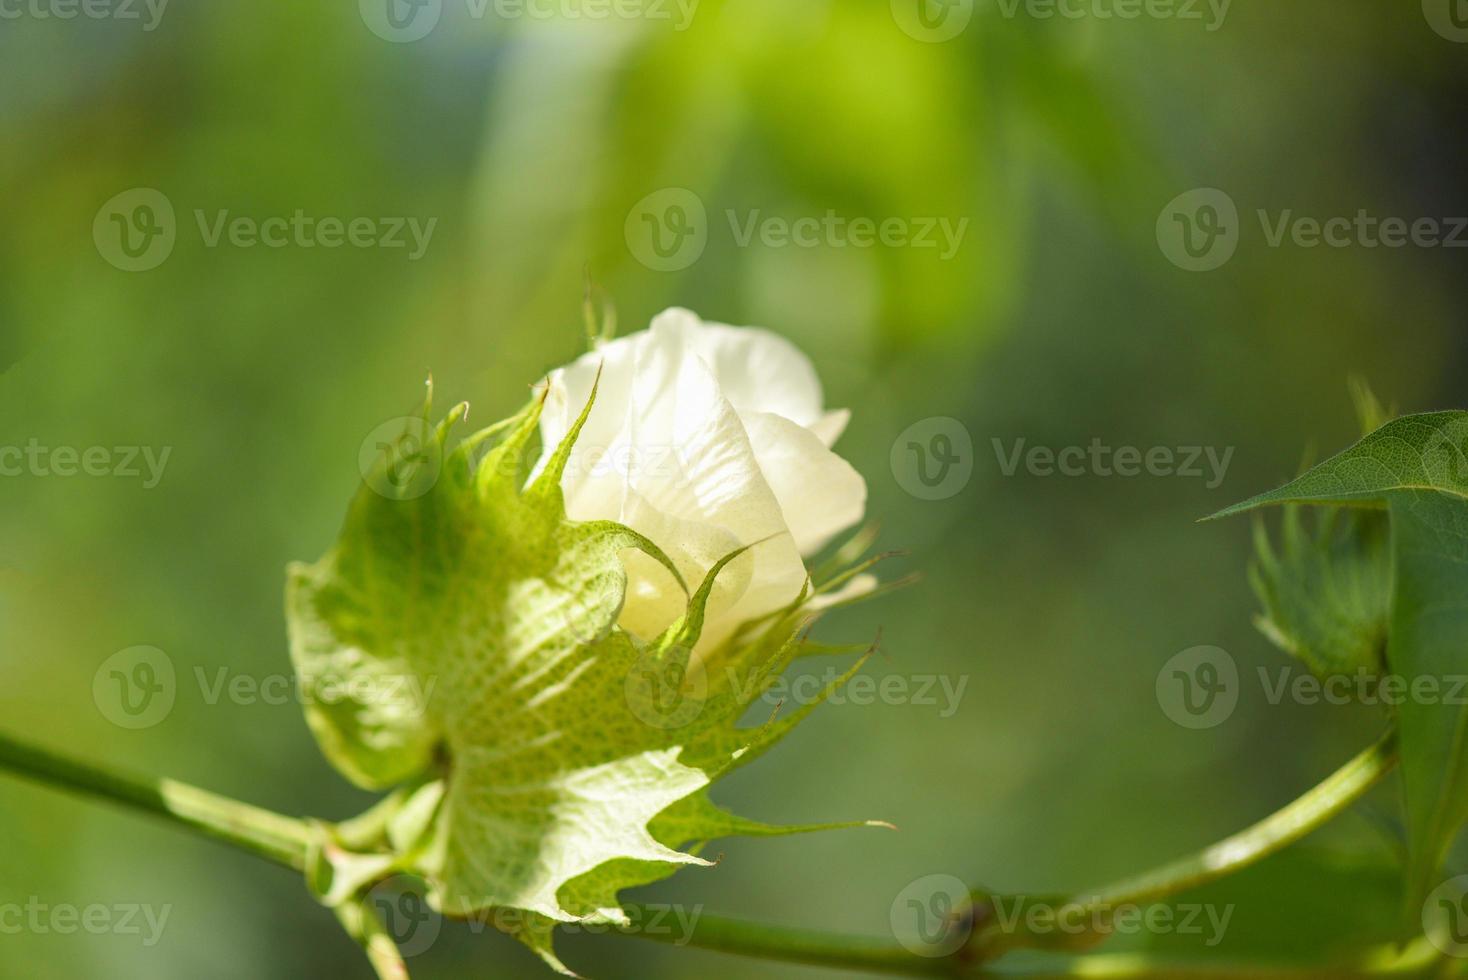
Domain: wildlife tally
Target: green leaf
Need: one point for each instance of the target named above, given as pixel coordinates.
(466, 630)
(1414, 452)
(1416, 467)
(1429, 640)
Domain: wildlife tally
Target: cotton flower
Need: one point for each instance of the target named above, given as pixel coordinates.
(704, 438)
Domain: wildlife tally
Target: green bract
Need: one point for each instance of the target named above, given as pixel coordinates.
(1416, 468)
(1326, 591)
(466, 631)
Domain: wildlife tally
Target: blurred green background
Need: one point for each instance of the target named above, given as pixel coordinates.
(531, 141)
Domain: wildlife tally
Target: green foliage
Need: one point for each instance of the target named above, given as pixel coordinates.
(1416, 467)
(1327, 591)
(548, 758)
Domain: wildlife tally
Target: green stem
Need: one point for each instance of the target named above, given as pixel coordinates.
(1285, 826)
(1316, 807)
(1374, 964)
(270, 835)
(285, 840)
(363, 924)
(795, 945)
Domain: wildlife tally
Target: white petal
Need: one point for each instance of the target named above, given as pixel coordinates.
(820, 494)
(705, 437)
(570, 387)
(653, 597)
(758, 371)
(696, 488)
(831, 425)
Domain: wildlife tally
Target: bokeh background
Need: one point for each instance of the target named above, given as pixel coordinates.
(533, 142)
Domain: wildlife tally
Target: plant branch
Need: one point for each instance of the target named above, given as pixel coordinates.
(285, 840)
(1295, 820)
(794, 945)
(262, 832)
(1318, 805)
(362, 923)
